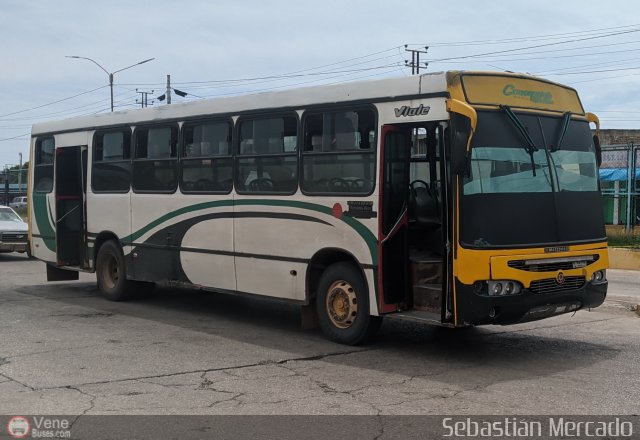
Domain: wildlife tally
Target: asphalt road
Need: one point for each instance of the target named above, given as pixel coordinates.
(65, 350)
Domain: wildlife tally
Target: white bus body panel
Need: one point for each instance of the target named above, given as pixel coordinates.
(272, 251)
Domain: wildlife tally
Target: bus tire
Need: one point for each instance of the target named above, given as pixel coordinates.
(342, 305)
(111, 273)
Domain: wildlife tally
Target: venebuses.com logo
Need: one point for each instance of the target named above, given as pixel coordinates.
(18, 427)
(39, 427)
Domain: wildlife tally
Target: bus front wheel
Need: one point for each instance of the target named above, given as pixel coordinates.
(111, 273)
(342, 305)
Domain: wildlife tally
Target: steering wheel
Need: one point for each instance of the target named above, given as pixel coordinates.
(422, 182)
(262, 184)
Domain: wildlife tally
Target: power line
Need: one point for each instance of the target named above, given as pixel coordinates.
(51, 103)
(565, 55)
(595, 71)
(520, 39)
(607, 63)
(534, 46)
(15, 137)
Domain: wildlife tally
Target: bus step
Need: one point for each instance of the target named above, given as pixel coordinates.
(427, 297)
(418, 316)
(426, 268)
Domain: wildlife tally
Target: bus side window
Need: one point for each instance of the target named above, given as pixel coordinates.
(337, 155)
(267, 161)
(111, 171)
(43, 172)
(155, 161)
(207, 165)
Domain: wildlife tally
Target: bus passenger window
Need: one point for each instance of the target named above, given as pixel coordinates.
(268, 159)
(207, 165)
(338, 154)
(111, 161)
(43, 172)
(155, 160)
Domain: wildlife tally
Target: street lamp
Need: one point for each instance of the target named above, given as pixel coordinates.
(110, 74)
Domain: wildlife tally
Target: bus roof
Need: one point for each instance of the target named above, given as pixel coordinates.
(401, 88)
(372, 90)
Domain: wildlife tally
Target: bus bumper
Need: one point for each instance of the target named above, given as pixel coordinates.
(476, 309)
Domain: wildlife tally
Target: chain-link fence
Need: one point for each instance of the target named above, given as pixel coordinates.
(620, 183)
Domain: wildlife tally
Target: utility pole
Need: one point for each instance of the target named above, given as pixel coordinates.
(415, 59)
(167, 94)
(168, 89)
(6, 185)
(144, 100)
(20, 176)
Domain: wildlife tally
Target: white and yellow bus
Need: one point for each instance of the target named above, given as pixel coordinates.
(458, 198)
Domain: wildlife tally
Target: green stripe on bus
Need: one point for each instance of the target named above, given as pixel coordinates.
(368, 237)
(168, 216)
(41, 213)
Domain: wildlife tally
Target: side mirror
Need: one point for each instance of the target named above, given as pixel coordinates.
(596, 143)
(596, 139)
(464, 120)
(461, 133)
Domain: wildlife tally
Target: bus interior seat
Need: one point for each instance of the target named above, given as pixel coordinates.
(157, 151)
(205, 148)
(223, 148)
(316, 142)
(246, 146)
(424, 208)
(275, 145)
(346, 141)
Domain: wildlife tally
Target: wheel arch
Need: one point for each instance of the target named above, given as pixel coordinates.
(320, 261)
(102, 238)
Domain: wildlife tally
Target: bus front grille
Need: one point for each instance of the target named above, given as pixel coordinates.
(550, 285)
(553, 265)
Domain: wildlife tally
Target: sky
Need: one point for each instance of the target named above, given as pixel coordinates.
(220, 48)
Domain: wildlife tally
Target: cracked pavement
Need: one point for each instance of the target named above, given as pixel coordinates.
(65, 350)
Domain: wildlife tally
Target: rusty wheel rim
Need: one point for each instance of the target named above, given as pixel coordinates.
(341, 304)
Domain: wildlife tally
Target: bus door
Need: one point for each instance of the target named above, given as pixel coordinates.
(413, 257)
(70, 192)
(393, 272)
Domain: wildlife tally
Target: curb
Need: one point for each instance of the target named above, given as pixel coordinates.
(624, 258)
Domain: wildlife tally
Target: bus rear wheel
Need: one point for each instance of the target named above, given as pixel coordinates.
(342, 305)
(111, 273)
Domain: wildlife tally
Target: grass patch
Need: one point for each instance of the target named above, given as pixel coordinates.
(624, 240)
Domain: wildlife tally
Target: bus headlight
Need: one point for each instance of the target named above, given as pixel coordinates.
(599, 276)
(503, 287)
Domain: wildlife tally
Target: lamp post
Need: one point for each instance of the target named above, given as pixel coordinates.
(110, 74)
(20, 175)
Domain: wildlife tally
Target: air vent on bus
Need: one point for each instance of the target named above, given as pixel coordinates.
(553, 264)
(550, 285)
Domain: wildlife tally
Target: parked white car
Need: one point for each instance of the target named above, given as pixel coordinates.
(14, 232)
(18, 202)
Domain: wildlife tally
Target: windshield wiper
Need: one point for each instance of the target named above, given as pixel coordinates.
(566, 120)
(530, 147)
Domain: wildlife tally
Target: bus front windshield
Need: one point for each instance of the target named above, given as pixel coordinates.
(533, 188)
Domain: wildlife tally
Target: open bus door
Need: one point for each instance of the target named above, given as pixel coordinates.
(70, 195)
(414, 259)
(393, 226)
